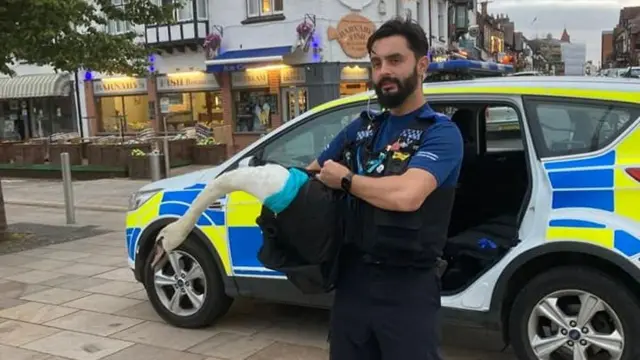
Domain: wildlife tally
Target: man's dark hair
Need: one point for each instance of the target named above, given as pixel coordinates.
(407, 28)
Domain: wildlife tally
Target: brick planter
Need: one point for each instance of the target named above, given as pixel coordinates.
(180, 151)
(209, 154)
(139, 167)
(74, 150)
(113, 155)
(6, 152)
(29, 153)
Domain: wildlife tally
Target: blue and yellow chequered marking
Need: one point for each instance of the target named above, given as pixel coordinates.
(598, 183)
(245, 237)
(175, 204)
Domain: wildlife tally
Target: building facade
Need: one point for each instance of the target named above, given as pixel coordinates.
(38, 102)
(606, 48)
(251, 67)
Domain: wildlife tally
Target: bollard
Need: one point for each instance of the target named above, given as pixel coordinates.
(67, 184)
(167, 165)
(154, 165)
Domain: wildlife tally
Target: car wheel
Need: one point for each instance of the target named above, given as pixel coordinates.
(574, 313)
(188, 291)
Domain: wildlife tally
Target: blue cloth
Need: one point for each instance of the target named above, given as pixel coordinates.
(440, 153)
(279, 201)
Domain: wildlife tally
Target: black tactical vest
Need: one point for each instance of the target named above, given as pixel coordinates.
(395, 238)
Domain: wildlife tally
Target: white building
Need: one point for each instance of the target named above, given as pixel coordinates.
(574, 57)
(262, 74)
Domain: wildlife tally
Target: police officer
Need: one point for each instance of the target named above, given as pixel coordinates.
(399, 168)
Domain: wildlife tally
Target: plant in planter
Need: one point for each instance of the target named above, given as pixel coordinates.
(208, 151)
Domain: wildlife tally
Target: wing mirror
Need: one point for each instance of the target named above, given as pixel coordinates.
(246, 162)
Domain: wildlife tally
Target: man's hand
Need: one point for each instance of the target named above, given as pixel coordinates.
(332, 173)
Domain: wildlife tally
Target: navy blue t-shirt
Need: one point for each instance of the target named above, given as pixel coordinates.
(440, 153)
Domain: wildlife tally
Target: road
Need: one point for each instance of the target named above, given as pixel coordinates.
(78, 300)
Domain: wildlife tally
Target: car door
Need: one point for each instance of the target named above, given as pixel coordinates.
(298, 146)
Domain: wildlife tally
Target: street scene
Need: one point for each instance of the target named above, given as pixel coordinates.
(77, 299)
(296, 180)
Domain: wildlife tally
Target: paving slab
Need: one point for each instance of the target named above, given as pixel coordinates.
(102, 313)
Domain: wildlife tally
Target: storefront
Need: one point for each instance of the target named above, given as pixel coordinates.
(255, 100)
(354, 78)
(122, 104)
(36, 106)
(189, 98)
(294, 92)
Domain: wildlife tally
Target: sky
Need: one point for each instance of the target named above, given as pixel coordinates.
(584, 19)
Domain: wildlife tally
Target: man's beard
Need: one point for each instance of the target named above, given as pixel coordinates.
(405, 88)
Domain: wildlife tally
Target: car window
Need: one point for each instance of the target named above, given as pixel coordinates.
(503, 129)
(575, 127)
(303, 144)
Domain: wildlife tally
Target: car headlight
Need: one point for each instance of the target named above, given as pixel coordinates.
(137, 199)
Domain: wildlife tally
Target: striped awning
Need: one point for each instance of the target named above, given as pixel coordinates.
(33, 86)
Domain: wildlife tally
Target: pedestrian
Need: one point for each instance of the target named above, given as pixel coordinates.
(399, 168)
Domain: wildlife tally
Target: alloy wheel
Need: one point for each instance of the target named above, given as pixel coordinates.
(575, 325)
(181, 285)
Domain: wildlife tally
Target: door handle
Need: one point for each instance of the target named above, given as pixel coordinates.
(216, 205)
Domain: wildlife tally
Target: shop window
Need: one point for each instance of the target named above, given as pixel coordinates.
(119, 26)
(254, 109)
(129, 113)
(187, 109)
(257, 8)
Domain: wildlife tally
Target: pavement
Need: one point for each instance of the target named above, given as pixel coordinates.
(79, 300)
(99, 195)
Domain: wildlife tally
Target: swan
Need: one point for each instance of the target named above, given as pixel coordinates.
(273, 185)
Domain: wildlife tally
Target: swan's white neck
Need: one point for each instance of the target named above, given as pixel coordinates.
(260, 181)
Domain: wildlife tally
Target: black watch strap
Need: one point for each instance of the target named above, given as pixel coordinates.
(346, 182)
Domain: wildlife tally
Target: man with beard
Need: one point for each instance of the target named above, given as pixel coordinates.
(399, 168)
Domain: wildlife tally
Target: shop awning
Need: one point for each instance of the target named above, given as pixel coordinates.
(235, 60)
(33, 86)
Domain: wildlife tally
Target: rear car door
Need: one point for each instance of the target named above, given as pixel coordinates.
(590, 154)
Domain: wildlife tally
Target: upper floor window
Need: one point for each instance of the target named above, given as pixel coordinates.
(258, 8)
(119, 26)
(186, 11)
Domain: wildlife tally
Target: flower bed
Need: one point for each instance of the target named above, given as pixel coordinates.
(113, 154)
(209, 152)
(74, 151)
(6, 151)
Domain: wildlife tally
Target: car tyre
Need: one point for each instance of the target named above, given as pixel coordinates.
(574, 278)
(216, 302)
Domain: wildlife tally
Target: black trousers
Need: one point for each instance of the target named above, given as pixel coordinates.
(385, 313)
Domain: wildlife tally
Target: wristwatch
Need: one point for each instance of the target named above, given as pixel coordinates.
(346, 182)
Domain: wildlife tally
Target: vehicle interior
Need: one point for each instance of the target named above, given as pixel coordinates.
(490, 198)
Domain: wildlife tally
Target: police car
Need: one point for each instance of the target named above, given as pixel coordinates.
(545, 236)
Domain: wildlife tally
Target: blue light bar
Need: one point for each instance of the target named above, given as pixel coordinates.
(469, 65)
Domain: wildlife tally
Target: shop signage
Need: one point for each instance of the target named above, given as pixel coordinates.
(118, 86)
(253, 78)
(187, 82)
(352, 32)
(293, 75)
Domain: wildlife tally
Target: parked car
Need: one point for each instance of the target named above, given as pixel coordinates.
(545, 237)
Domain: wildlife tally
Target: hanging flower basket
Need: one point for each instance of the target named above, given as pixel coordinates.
(212, 44)
(304, 29)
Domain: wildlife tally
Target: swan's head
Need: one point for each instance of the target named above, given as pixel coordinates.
(169, 238)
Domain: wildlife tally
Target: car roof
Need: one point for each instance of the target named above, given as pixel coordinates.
(585, 87)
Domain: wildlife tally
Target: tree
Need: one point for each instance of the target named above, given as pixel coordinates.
(70, 34)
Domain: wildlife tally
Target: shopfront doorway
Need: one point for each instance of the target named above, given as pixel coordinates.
(294, 102)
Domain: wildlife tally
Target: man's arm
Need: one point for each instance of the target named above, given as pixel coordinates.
(438, 156)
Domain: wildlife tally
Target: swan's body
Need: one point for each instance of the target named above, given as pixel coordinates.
(273, 185)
